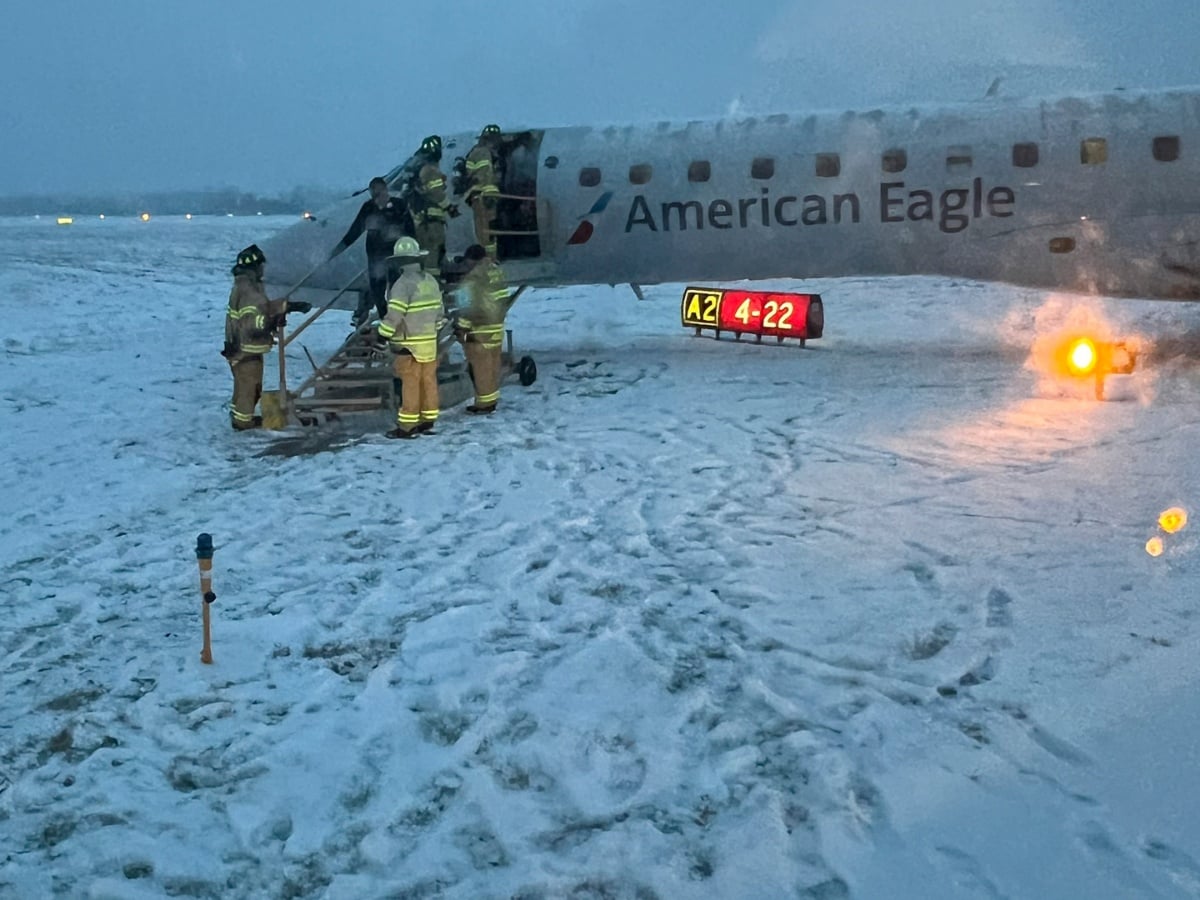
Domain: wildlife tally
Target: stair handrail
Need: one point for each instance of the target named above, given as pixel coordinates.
(314, 316)
(318, 371)
(285, 339)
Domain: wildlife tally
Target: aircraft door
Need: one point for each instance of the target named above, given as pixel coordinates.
(517, 211)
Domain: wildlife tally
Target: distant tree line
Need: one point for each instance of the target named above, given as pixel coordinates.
(213, 201)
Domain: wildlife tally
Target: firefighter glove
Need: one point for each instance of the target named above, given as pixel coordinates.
(452, 210)
(229, 351)
(299, 306)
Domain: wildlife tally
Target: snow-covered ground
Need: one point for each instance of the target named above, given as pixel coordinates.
(685, 619)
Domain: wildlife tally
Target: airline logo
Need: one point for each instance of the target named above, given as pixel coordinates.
(583, 231)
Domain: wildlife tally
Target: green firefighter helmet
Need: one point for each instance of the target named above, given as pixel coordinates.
(432, 144)
(490, 131)
(407, 248)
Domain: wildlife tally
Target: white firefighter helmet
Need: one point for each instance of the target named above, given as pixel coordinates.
(408, 248)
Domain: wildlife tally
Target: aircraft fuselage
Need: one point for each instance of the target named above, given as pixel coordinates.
(1097, 194)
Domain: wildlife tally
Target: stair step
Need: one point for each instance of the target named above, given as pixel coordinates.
(313, 403)
(356, 364)
(330, 389)
(352, 382)
(343, 359)
(336, 398)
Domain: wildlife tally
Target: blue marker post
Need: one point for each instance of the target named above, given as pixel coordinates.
(204, 554)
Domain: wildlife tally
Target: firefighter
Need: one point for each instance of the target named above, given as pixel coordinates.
(483, 186)
(480, 326)
(429, 204)
(385, 219)
(410, 327)
(250, 324)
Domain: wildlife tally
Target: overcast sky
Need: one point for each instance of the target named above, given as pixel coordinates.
(141, 94)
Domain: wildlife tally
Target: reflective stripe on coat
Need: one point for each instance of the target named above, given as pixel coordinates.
(486, 304)
(414, 311)
(249, 315)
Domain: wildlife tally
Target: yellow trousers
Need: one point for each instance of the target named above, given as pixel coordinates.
(247, 389)
(484, 209)
(418, 391)
(485, 367)
(431, 235)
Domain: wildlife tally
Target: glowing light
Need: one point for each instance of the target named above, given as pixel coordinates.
(1173, 519)
(759, 313)
(307, 215)
(65, 220)
(102, 215)
(1081, 356)
(1060, 324)
(145, 217)
(188, 216)
(1154, 546)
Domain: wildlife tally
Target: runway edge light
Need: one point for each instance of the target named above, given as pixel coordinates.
(1173, 519)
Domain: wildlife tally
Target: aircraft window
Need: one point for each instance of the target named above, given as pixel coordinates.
(1025, 156)
(700, 170)
(1062, 244)
(589, 177)
(958, 158)
(1166, 149)
(551, 162)
(829, 165)
(640, 173)
(895, 161)
(1093, 151)
(763, 167)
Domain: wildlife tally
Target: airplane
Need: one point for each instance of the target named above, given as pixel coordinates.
(1093, 194)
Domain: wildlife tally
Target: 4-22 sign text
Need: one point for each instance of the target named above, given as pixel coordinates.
(760, 313)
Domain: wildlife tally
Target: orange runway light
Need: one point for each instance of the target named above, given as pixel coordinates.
(1173, 519)
(1154, 546)
(1082, 356)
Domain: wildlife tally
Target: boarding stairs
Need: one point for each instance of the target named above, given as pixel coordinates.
(358, 376)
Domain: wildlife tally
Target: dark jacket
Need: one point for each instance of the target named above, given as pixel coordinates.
(383, 227)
